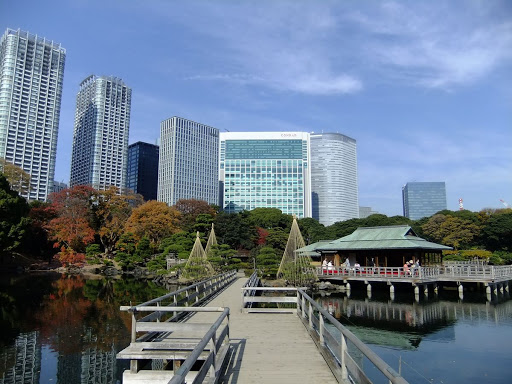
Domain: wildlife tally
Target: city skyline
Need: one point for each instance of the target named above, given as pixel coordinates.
(422, 87)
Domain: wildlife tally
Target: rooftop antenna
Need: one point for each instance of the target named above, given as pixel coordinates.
(461, 205)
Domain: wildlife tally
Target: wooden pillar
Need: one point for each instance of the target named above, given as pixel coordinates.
(337, 260)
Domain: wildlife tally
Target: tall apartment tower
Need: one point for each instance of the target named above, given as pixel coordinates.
(100, 138)
(142, 174)
(265, 170)
(31, 77)
(423, 199)
(188, 161)
(334, 185)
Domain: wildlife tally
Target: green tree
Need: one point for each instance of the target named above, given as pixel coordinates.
(223, 258)
(497, 232)
(269, 218)
(16, 176)
(190, 209)
(450, 230)
(233, 229)
(13, 218)
(312, 230)
(267, 261)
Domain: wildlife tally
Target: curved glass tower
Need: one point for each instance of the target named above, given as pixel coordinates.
(334, 185)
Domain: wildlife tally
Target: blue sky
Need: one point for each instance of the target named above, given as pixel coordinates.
(423, 86)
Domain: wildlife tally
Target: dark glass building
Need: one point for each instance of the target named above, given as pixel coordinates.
(142, 174)
(423, 199)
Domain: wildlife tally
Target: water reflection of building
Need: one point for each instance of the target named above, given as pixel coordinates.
(98, 366)
(92, 365)
(23, 365)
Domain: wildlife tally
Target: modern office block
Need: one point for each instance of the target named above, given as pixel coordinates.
(100, 139)
(142, 176)
(58, 186)
(423, 199)
(31, 77)
(334, 178)
(188, 161)
(365, 212)
(265, 170)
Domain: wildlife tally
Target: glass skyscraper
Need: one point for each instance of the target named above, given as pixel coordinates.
(334, 185)
(31, 77)
(423, 199)
(188, 161)
(142, 174)
(100, 139)
(265, 170)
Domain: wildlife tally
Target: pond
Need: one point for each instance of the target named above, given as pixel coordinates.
(68, 329)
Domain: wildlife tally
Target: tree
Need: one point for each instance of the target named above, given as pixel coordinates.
(451, 230)
(190, 209)
(112, 211)
(153, 219)
(269, 218)
(232, 229)
(71, 230)
(16, 176)
(267, 261)
(497, 232)
(223, 258)
(41, 213)
(313, 231)
(13, 218)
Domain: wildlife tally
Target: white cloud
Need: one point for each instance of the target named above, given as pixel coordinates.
(436, 46)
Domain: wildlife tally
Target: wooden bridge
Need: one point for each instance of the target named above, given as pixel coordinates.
(227, 342)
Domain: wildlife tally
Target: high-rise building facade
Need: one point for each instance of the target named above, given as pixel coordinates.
(265, 170)
(31, 77)
(142, 176)
(100, 138)
(188, 161)
(423, 199)
(334, 185)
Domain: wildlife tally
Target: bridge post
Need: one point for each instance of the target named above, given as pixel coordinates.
(461, 291)
(213, 351)
(321, 329)
(506, 285)
(310, 315)
(392, 291)
(344, 372)
(501, 287)
(495, 289)
(303, 307)
(369, 289)
(425, 290)
(417, 293)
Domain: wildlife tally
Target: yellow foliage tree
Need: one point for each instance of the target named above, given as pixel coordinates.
(153, 219)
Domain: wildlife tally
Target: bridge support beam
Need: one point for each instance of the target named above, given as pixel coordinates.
(369, 289)
(506, 285)
(495, 289)
(392, 292)
(501, 287)
(436, 288)
(425, 290)
(461, 291)
(417, 293)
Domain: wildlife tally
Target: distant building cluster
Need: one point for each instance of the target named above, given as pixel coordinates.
(302, 174)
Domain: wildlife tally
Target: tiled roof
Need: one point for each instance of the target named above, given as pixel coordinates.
(391, 237)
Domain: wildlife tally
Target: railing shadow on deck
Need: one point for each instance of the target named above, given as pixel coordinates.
(331, 340)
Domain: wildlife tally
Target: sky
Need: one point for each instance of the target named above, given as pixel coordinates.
(424, 87)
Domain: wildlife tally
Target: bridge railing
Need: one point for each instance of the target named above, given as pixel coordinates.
(331, 338)
(452, 270)
(192, 295)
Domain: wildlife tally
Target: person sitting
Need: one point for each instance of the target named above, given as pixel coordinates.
(324, 264)
(406, 269)
(329, 266)
(357, 266)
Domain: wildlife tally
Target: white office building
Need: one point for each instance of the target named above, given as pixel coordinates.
(31, 77)
(265, 170)
(334, 183)
(100, 139)
(188, 161)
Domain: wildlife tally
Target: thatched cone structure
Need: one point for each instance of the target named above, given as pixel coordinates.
(296, 267)
(197, 267)
(212, 240)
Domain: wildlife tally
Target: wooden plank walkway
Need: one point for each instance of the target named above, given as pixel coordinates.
(267, 347)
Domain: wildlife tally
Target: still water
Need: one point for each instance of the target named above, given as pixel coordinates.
(67, 330)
